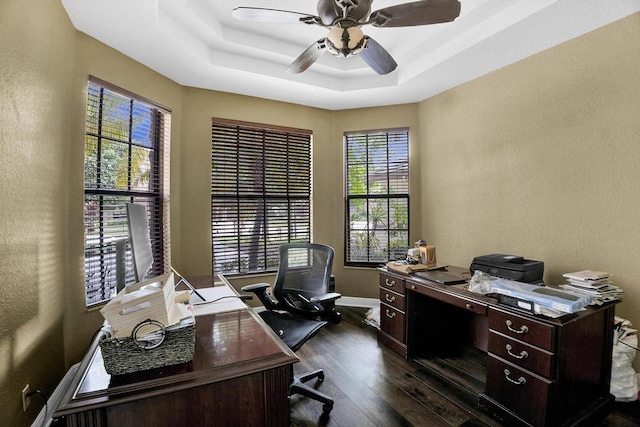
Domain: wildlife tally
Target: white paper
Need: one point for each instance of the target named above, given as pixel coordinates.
(230, 303)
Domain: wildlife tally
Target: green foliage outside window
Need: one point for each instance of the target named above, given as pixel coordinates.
(377, 196)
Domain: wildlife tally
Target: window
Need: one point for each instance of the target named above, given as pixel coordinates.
(377, 196)
(126, 160)
(260, 193)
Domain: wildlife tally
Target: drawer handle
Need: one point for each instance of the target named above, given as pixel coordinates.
(523, 329)
(389, 282)
(388, 298)
(469, 306)
(391, 314)
(523, 354)
(519, 381)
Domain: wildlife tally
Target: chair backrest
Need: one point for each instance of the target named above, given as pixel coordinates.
(304, 272)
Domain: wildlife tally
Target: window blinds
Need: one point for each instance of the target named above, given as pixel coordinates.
(126, 160)
(260, 193)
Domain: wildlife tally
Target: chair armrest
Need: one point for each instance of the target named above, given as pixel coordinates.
(326, 298)
(254, 287)
(260, 290)
(328, 302)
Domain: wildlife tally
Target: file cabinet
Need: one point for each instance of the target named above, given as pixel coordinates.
(543, 373)
(393, 313)
(521, 355)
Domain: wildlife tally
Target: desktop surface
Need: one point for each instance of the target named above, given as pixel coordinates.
(244, 341)
(237, 357)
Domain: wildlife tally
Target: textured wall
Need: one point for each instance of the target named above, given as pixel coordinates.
(363, 282)
(44, 67)
(96, 59)
(540, 159)
(193, 254)
(34, 85)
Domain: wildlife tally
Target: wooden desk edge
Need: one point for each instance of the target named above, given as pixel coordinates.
(71, 401)
(464, 292)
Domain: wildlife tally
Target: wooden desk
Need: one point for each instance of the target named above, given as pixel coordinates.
(535, 371)
(239, 376)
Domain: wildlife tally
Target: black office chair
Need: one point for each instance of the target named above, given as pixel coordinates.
(302, 304)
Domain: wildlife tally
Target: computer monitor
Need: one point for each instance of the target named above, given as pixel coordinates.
(139, 240)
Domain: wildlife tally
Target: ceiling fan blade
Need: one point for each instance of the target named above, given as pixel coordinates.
(416, 13)
(308, 57)
(377, 57)
(259, 14)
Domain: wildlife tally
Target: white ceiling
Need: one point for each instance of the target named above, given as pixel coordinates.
(197, 43)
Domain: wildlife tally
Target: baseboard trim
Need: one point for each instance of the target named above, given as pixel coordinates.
(358, 302)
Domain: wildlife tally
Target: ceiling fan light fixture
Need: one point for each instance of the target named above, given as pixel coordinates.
(344, 19)
(345, 41)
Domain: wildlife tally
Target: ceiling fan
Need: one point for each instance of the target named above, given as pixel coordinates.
(344, 19)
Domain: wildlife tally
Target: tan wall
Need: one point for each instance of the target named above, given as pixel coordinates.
(193, 255)
(34, 89)
(540, 159)
(44, 67)
(363, 282)
(45, 327)
(96, 59)
(537, 159)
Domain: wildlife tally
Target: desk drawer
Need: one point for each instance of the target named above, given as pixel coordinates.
(456, 300)
(392, 322)
(523, 355)
(523, 393)
(394, 299)
(522, 328)
(391, 282)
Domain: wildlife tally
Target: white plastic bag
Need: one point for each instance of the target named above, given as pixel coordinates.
(624, 380)
(480, 283)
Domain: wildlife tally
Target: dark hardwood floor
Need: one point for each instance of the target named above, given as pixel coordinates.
(372, 386)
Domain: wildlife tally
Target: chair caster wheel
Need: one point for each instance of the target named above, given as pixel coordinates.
(334, 317)
(321, 377)
(326, 408)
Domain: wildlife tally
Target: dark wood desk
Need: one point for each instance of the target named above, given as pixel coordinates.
(535, 371)
(239, 376)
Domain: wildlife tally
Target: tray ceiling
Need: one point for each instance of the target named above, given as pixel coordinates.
(197, 43)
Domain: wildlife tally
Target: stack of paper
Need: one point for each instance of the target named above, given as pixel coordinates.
(596, 284)
(405, 268)
(218, 299)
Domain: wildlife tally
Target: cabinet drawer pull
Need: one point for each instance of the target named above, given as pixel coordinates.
(389, 282)
(519, 381)
(391, 314)
(523, 354)
(523, 329)
(469, 306)
(388, 298)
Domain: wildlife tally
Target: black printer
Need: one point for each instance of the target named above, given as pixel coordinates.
(511, 267)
